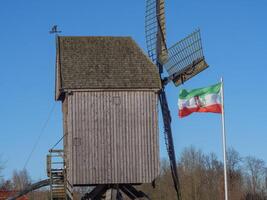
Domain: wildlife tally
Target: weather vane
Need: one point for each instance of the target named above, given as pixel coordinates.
(54, 30)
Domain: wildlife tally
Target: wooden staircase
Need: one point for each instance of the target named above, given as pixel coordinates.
(60, 189)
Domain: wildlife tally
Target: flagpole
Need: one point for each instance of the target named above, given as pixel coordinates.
(224, 143)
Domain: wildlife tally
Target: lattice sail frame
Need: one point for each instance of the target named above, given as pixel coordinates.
(155, 28)
(182, 61)
(185, 58)
(157, 51)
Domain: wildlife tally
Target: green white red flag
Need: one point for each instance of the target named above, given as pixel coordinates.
(206, 99)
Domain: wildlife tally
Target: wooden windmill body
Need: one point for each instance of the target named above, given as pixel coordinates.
(108, 89)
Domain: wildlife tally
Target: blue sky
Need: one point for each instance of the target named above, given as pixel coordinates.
(234, 39)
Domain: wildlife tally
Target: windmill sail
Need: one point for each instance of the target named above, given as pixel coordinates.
(182, 61)
(155, 29)
(186, 59)
(157, 51)
(161, 42)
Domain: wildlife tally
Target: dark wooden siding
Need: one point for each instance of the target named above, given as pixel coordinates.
(112, 137)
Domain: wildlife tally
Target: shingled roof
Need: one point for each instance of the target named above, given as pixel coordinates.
(103, 63)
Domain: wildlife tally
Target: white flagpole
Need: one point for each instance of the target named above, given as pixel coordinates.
(224, 143)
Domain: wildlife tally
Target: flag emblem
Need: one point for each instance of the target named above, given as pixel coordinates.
(207, 99)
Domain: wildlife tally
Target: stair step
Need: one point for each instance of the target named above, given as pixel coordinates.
(58, 190)
(58, 186)
(58, 193)
(59, 197)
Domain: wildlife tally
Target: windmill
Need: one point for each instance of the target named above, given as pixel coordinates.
(182, 61)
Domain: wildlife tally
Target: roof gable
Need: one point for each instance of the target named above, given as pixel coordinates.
(104, 63)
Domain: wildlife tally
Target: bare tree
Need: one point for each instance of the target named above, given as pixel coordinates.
(193, 174)
(6, 185)
(201, 177)
(255, 175)
(234, 162)
(1, 167)
(21, 179)
(164, 189)
(2, 181)
(214, 177)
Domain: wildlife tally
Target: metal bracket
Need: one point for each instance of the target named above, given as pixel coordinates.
(181, 76)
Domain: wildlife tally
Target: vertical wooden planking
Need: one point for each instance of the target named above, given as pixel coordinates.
(84, 135)
(135, 137)
(156, 135)
(119, 137)
(70, 133)
(65, 133)
(79, 137)
(109, 137)
(98, 141)
(127, 136)
(94, 141)
(79, 134)
(129, 133)
(75, 133)
(148, 134)
(90, 127)
(100, 133)
(114, 140)
(140, 134)
(151, 126)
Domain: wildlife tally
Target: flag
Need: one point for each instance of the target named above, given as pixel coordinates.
(206, 99)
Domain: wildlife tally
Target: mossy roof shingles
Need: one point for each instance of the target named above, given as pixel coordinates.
(105, 63)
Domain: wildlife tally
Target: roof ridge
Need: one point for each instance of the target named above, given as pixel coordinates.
(88, 36)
